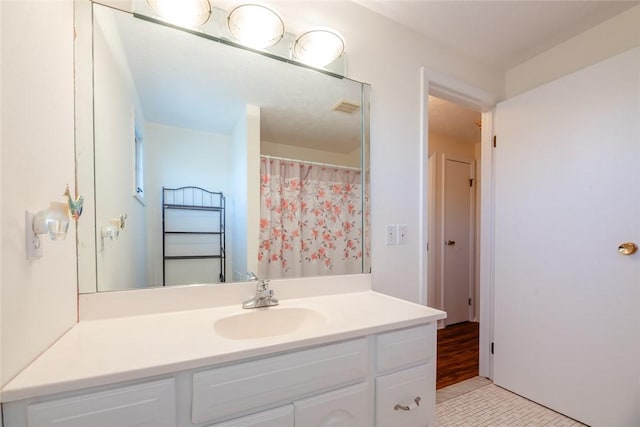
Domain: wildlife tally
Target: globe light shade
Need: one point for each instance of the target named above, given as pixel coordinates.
(319, 47)
(255, 26)
(185, 13)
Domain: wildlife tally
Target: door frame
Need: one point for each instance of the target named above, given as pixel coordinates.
(451, 89)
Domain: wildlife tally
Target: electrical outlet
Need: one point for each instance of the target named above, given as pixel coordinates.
(403, 231)
(391, 235)
(32, 240)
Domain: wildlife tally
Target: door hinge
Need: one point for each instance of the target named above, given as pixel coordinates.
(471, 182)
(492, 348)
(469, 301)
(495, 141)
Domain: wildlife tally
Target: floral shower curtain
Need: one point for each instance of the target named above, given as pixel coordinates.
(310, 219)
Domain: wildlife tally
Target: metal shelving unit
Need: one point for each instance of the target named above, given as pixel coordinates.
(194, 199)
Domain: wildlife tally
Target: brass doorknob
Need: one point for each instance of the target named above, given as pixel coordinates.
(628, 248)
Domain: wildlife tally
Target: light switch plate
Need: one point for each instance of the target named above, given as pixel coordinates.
(403, 234)
(391, 235)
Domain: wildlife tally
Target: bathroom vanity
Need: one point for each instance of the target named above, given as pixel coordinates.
(350, 359)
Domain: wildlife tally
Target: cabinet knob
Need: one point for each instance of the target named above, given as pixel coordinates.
(409, 407)
(628, 248)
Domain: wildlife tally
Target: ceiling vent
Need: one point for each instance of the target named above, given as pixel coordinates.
(346, 106)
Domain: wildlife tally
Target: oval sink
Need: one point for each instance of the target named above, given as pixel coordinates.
(268, 322)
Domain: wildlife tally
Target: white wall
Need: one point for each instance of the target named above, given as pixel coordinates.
(237, 202)
(614, 36)
(245, 200)
(389, 57)
(253, 186)
(178, 157)
(38, 297)
(115, 101)
(351, 159)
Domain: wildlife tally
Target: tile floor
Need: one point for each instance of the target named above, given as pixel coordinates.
(478, 402)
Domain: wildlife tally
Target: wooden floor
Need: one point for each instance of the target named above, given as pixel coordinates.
(457, 353)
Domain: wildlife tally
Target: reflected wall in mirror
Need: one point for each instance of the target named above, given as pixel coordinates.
(172, 109)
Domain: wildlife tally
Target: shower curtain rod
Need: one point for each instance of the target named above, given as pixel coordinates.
(309, 162)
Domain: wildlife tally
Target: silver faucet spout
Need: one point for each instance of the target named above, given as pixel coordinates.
(264, 296)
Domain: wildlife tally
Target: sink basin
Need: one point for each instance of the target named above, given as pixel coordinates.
(268, 322)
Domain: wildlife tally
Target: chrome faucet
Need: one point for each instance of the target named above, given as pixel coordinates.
(264, 295)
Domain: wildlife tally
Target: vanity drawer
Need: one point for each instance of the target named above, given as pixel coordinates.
(151, 405)
(403, 388)
(279, 417)
(238, 388)
(406, 347)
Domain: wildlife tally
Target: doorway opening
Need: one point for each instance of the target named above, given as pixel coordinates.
(454, 135)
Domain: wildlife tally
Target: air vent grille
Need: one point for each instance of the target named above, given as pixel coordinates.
(346, 106)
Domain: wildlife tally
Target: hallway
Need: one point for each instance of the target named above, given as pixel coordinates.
(457, 353)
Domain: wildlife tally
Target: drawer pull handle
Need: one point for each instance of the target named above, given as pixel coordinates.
(413, 405)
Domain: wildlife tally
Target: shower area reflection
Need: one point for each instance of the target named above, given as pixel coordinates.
(310, 219)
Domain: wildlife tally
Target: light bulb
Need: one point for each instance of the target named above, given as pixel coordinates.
(319, 47)
(255, 26)
(186, 13)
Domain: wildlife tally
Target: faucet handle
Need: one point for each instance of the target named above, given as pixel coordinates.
(262, 289)
(263, 285)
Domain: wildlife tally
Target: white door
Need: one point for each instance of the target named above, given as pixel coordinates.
(457, 226)
(567, 304)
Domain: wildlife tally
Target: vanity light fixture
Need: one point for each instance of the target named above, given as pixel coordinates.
(53, 221)
(255, 25)
(318, 47)
(186, 13)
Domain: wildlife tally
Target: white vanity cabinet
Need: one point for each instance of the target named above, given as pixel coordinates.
(405, 381)
(146, 405)
(382, 380)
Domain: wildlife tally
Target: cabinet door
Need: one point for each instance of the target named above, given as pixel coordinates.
(279, 417)
(143, 405)
(406, 398)
(346, 407)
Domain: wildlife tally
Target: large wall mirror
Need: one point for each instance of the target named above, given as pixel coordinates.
(205, 161)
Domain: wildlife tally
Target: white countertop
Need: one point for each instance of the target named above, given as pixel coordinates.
(106, 351)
